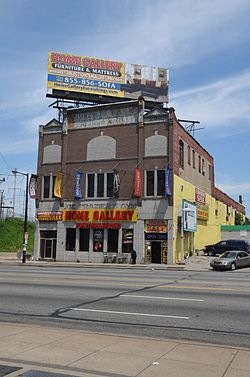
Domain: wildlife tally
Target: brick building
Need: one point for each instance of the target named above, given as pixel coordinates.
(123, 173)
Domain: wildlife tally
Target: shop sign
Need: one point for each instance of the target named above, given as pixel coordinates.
(49, 216)
(155, 226)
(98, 225)
(155, 236)
(100, 215)
(200, 196)
(165, 252)
(202, 211)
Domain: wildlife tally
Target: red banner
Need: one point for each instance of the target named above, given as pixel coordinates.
(137, 191)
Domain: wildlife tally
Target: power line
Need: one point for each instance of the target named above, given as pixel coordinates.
(4, 160)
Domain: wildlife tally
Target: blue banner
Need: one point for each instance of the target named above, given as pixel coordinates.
(78, 193)
(67, 80)
(167, 182)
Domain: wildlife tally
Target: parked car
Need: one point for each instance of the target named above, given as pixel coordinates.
(226, 245)
(231, 260)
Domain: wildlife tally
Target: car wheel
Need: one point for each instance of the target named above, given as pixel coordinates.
(232, 267)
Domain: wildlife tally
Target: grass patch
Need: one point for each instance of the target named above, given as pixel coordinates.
(11, 235)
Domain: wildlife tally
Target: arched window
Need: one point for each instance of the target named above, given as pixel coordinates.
(101, 148)
(52, 153)
(156, 145)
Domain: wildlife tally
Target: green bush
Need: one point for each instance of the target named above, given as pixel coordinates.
(11, 235)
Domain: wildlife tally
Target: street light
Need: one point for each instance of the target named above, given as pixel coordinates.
(25, 226)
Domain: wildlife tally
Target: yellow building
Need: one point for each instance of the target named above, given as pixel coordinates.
(199, 208)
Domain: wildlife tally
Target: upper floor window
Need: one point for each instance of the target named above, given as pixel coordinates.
(193, 159)
(189, 155)
(199, 164)
(101, 148)
(181, 154)
(203, 169)
(100, 185)
(155, 182)
(48, 186)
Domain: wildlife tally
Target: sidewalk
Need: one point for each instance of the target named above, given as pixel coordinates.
(194, 263)
(34, 349)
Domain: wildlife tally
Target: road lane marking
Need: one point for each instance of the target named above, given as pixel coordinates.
(164, 298)
(195, 287)
(129, 313)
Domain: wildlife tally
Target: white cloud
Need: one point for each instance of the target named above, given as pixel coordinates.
(217, 104)
(19, 146)
(173, 33)
(31, 125)
(234, 189)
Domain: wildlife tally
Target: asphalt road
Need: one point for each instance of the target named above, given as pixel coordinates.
(207, 306)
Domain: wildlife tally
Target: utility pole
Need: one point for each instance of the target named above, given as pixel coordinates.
(1, 199)
(14, 192)
(25, 227)
(1, 204)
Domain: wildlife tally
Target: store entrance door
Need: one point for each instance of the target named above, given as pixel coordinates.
(113, 240)
(48, 245)
(156, 252)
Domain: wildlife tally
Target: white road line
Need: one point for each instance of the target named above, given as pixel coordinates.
(128, 313)
(164, 298)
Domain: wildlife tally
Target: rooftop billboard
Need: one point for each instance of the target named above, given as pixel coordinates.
(82, 74)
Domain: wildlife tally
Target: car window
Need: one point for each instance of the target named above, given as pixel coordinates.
(222, 243)
(242, 254)
(229, 254)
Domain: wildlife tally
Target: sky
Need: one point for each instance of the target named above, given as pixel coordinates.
(205, 46)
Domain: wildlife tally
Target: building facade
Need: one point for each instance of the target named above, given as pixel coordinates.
(118, 177)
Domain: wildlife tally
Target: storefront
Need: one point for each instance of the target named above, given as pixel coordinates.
(156, 241)
(86, 235)
(48, 233)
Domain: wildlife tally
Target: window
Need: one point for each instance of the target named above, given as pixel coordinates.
(150, 183)
(127, 240)
(70, 239)
(199, 164)
(84, 240)
(48, 186)
(53, 185)
(100, 185)
(203, 167)
(113, 240)
(110, 185)
(91, 185)
(189, 155)
(181, 154)
(161, 182)
(193, 159)
(155, 182)
(98, 236)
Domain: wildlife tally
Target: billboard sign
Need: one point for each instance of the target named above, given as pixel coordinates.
(189, 213)
(82, 74)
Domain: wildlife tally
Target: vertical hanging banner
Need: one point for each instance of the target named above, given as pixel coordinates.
(116, 183)
(137, 190)
(33, 186)
(167, 182)
(78, 193)
(58, 185)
